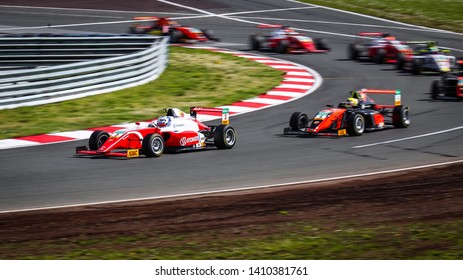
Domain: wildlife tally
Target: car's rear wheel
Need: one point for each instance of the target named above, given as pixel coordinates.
(400, 61)
(401, 116)
(298, 121)
(416, 66)
(210, 35)
(224, 137)
(254, 43)
(352, 52)
(355, 125)
(97, 139)
(321, 44)
(380, 56)
(153, 145)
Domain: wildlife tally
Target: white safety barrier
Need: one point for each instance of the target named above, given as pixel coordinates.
(47, 68)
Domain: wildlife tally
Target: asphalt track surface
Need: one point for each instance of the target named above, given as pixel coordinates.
(49, 175)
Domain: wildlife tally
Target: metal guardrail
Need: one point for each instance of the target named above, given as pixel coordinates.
(49, 68)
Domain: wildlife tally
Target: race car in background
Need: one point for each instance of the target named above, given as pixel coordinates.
(427, 56)
(283, 39)
(379, 47)
(448, 87)
(174, 132)
(161, 26)
(352, 119)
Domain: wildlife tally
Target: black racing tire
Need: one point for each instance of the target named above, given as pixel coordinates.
(298, 121)
(132, 30)
(282, 46)
(153, 145)
(355, 125)
(97, 139)
(210, 35)
(401, 116)
(400, 62)
(435, 90)
(224, 137)
(136, 30)
(416, 66)
(254, 43)
(379, 56)
(176, 36)
(352, 52)
(321, 44)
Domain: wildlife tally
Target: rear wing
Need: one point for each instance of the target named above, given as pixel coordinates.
(420, 42)
(224, 111)
(372, 34)
(397, 95)
(145, 18)
(269, 26)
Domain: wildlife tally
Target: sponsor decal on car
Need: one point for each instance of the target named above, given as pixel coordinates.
(133, 153)
(184, 141)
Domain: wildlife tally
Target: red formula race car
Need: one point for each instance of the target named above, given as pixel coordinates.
(353, 117)
(379, 47)
(168, 27)
(174, 132)
(284, 39)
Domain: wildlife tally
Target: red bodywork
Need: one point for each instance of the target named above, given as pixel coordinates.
(165, 26)
(291, 42)
(382, 48)
(129, 142)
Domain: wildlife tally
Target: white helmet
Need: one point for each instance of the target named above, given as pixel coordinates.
(163, 121)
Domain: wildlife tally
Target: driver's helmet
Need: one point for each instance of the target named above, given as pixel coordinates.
(163, 121)
(433, 48)
(355, 94)
(352, 102)
(287, 29)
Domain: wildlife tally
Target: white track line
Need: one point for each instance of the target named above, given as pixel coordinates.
(408, 138)
(239, 189)
(372, 17)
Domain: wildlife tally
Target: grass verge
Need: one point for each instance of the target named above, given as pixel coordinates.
(193, 78)
(444, 14)
(420, 241)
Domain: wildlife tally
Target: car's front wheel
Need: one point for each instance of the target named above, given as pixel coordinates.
(355, 125)
(97, 139)
(298, 121)
(153, 145)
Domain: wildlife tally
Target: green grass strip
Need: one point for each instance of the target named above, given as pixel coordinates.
(193, 77)
(421, 241)
(444, 14)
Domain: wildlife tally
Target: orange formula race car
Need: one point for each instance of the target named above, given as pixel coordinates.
(358, 114)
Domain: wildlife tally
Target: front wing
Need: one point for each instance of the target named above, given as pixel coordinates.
(289, 131)
(130, 153)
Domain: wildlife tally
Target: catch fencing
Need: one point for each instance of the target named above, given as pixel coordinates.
(39, 69)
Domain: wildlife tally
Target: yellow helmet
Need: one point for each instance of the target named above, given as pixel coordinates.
(352, 102)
